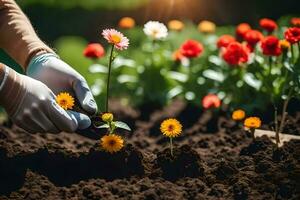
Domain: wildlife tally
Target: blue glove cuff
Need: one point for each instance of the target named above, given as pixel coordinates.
(37, 61)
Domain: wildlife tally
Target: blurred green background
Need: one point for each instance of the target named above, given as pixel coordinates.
(68, 26)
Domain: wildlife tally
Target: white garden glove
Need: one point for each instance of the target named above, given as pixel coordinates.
(60, 77)
(32, 105)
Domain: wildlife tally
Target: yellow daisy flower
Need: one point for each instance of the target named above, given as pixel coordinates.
(107, 117)
(112, 143)
(171, 128)
(238, 115)
(252, 122)
(175, 25)
(65, 100)
(207, 27)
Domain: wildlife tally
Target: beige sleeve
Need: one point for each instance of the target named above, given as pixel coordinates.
(17, 36)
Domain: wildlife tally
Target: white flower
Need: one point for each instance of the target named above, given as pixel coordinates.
(155, 30)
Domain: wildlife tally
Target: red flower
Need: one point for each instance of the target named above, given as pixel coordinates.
(191, 49)
(253, 37)
(295, 21)
(292, 35)
(236, 53)
(211, 101)
(94, 50)
(242, 29)
(225, 40)
(268, 24)
(270, 46)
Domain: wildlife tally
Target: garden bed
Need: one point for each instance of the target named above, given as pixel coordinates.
(213, 158)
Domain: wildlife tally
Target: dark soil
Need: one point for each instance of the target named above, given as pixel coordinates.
(213, 159)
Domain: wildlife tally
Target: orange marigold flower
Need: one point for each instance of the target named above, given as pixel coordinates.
(252, 122)
(284, 44)
(65, 100)
(171, 127)
(238, 115)
(207, 27)
(112, 143)
(126, 23)
(175, 25)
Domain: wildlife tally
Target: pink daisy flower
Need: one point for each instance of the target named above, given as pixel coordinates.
(116, 38)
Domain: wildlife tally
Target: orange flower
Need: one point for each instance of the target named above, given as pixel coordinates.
(284, 44)
(225, 40)
(252, 122)
(211, 101)
(126, 23)
(268, 24)
(175, 25)
(207, 27)
(238, 115)
(295, 21)
(177, 55)
(242, 29)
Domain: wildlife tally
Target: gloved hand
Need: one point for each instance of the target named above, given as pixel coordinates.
(60, 77)
(32, 106)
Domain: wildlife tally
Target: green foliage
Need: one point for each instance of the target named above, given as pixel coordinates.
(86, 4)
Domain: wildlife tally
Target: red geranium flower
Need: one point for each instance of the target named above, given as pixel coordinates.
(242, 29)
(236, 53)
(268, 24)
(191, 49)
(225, 40)
(292, 35)
(295, 21)
(211, 101)
(253, 37)
(270, 46)
(94, 50)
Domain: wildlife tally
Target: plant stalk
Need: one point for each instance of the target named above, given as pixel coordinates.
(284, 112)
(252, 130)
(108, 77)
(171, 146)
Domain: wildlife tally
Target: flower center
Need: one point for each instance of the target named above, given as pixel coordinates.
(112, 142)
(63, 102)
(170, 127)
(116, 39)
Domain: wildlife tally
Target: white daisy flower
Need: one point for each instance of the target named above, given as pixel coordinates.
(155, 30)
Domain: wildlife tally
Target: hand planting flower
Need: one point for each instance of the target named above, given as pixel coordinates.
(175, 25)
(94, 51)
(242, 29)
(236, 53)
(270, 46)
(171, 128)
(65, 100)
(252, 123)
(126, 23)
(112, 143)
(191, 49)
(206, 27)
(211, 101)
(225, 40)
(118, 41)
(155, 30)
(268, 24)
(238, 115)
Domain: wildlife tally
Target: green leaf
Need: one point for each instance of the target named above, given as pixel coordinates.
(103, 126)
(122, 125)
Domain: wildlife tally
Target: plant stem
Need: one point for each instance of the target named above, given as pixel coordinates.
(293, 54)
(108, 77)
(284, 113)
(276, 126)
(171, 146)
(252, 130)
(270, 65)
